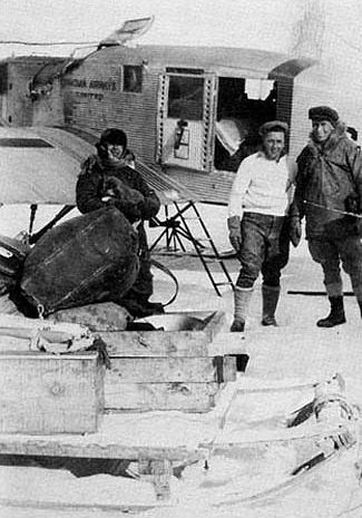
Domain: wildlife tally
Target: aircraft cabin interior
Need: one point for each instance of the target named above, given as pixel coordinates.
(242, 105)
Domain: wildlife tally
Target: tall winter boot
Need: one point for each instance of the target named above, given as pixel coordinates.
(242, 297)
(336, 315)
(270, 302)
(357, 288)
(360, 306)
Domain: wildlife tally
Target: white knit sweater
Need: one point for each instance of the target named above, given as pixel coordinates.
(263, 186)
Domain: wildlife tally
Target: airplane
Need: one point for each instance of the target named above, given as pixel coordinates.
(191, 113)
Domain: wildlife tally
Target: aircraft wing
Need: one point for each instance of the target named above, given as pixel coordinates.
(40, 165)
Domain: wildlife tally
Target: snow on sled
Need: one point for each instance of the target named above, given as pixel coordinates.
(260, 447)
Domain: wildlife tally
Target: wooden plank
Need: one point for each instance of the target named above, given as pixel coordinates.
(41, 509)
(168, 369)
(227, 343)
(182, 334)
(116, 450)
(65, 445)
(229, 368)
(255, 437)
(187, 397)
(186, 345)
(45, 393)
(156, 343)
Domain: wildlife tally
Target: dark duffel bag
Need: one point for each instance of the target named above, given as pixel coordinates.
(90, 258)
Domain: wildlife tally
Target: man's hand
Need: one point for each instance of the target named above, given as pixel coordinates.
(295, 230)
(358, 225)
(235, 232)
(114, 187)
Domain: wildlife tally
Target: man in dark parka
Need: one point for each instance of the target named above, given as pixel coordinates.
(109, 177)
(329, 193)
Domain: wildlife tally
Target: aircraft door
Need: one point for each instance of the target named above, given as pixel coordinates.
(186, 120)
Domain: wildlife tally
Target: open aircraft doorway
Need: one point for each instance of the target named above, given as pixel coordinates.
(187, 103)
(242, 106)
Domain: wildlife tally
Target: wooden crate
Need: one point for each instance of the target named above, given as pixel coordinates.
(186, 397)
(42, 393)
(170, 368)
(177, 334)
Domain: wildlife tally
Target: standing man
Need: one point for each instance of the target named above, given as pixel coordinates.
(258, 227)
(109, 178)
(328, 193)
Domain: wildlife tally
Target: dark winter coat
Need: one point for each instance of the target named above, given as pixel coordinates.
(329, 178)
(100, 183)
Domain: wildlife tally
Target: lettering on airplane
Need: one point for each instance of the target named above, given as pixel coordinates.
(90, 95)
(103, 85)
(95, 84)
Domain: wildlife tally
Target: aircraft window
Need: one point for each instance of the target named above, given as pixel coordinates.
(23, 142)
(186, 98)
(132, 79)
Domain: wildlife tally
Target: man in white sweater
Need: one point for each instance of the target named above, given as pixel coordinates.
(258, 223)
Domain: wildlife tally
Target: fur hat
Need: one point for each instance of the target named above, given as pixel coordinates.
(113, 136)
(324, 113)
(269, 126)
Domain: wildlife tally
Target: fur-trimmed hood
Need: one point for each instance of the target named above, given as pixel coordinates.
(338, 133)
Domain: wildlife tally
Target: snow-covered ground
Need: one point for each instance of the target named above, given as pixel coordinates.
(295, 350)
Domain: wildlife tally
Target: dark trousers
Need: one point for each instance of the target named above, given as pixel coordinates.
(330, 253)
(265, 249)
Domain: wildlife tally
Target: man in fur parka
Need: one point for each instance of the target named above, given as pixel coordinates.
(329, 195)
(109, 178)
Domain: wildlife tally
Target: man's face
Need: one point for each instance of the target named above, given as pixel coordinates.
(273, 143)
(322, 130)
(115, 152)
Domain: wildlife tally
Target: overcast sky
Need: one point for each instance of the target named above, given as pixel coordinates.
(264, 24)
(186, 21)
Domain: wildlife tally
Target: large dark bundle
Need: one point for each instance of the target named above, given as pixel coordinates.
(90, 258)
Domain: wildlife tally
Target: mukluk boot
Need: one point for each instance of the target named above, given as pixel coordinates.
(360, 306)
(242, 297)
(336, 315)
(270, 301)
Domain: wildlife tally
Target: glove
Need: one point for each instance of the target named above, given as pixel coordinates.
(358, 226)
(353, 204)
(295, 230)
(114, 187)
(151, 205)
(235, 232)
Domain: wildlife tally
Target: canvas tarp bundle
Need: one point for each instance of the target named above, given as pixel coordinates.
(90, 258)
